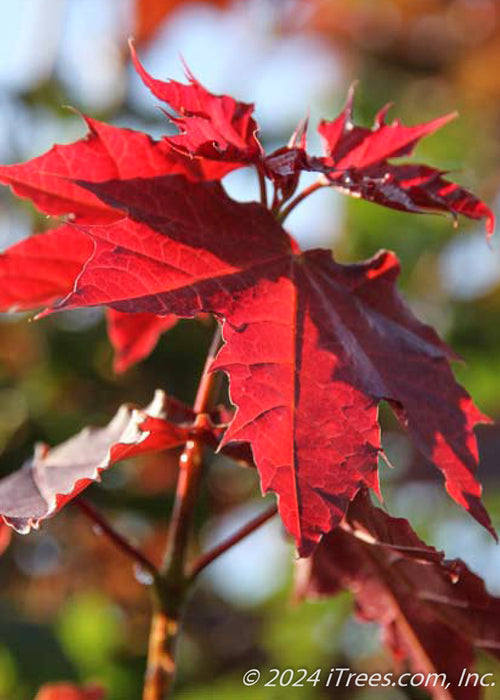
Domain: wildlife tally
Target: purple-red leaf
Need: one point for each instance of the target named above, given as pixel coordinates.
(433, 612)
(311, 346)
(357, 163)
(55, 476)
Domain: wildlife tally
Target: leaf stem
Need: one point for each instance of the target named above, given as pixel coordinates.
(262, 187)
(91, 512)
(205, 559)
(173, 582)
(281, 216)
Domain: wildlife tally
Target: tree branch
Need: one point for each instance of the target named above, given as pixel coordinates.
(172, 583)
(281, 216)
(205, 559)
(91, 512)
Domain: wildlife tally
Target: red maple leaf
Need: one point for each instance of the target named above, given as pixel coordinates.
(42, 269)
(356, 163)
(312, 346)
(107, 152)
(55, 476)
(216, 127)
(432, 612)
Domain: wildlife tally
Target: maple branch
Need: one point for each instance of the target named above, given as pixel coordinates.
(262, 188)
(205, 559)
(91, 512)
(173, 582)
(281, 216)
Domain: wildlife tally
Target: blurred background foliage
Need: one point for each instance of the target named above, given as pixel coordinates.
(71, 606)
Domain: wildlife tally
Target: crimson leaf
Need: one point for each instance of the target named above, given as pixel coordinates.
(308, 341)
(356, 163)
(106, 152)
(311, 345)
(432, 612)
(42, 269)
(216, 127)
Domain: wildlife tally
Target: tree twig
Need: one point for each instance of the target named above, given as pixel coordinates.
(281, 216)
(262, 188)
(205, 559)
(91, 512)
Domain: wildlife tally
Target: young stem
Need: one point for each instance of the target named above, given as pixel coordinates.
(173, 581)
(205, 559)
(91, 512)
(300, 198)
(262, 188)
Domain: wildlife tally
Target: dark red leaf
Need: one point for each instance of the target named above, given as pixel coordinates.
(351, 146)
(311, 345)
(216, 127)
(69, 691)
(432, 612)
(309, 342)
(55, 476)
(284, 165)
(356, 163)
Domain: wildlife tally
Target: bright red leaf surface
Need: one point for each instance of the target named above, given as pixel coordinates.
(311, 345)
(39, 270)
(55, 476)
(432, 612)
(216, 127)
(42, 269)
(107, 152)
(69, 691)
